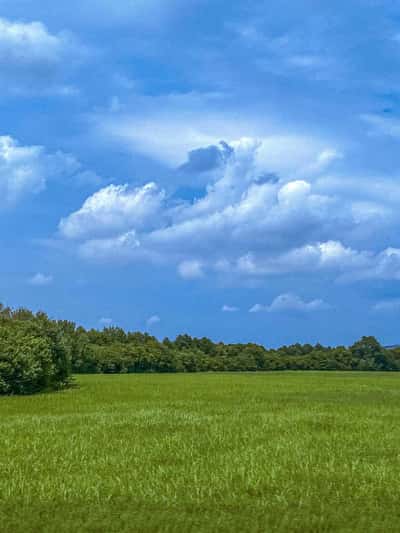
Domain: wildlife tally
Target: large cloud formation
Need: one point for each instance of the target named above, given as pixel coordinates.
(245, 225)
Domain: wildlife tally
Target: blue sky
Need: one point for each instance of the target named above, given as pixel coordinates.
(222, 169)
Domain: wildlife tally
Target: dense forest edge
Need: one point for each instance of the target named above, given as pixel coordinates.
(40, 354)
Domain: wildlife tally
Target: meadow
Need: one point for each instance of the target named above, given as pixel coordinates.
(244, 452)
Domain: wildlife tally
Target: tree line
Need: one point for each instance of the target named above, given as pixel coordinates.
(37, 353)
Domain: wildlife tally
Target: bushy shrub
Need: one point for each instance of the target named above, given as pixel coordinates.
(33, 356)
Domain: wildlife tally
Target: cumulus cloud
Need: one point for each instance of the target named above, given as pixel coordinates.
(124, 246)
(27, 169)
(330, 255)
(29, 42)
(290, 302)
(243, 225)
(114, 209)
(40, 280)
(383, 265)
(345, 263)
(29, 52)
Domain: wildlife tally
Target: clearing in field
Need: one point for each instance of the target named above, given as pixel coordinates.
(204, 453)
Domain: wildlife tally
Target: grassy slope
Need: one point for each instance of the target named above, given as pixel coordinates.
(211, 452)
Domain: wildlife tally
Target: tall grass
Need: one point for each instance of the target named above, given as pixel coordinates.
(290, 452)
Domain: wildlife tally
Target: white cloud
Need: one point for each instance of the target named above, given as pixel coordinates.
(106, 321)
(153, 320)
(258, 308)
(330, 255)
(167, 128)
(27, 169)
(235, 216)
(29, 42)
(40, 280)
(115, 208)
(383, 265)
(124, 246)
(246, 224)
(165, 139)
(190, 269)
(294, 192)
(229, 309)
(324, 160)
(290, 302)
(345, 263)
(31, 56)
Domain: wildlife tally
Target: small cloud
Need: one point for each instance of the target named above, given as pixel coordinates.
(153, 320)
(290, 302)
(40, 280)
(25, 170)
(192, 269)
(258, 308)
(229, 309)
(106, 321)
(387, 305)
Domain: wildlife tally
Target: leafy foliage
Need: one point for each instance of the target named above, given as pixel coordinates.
(114, 351)
(33, 353)
(37, 353)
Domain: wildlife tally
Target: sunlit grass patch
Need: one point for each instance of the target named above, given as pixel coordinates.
(211, 452)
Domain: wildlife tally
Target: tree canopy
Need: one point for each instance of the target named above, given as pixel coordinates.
(37, 353)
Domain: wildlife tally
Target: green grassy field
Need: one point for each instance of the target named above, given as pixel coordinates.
(309, 452)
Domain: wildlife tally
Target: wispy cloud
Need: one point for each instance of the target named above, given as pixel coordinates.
(191, 269)
(290, 302)
(26, 170)
(382, 125)
(153, 320)
(41, 280)
(229, 309)
(106, 322)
